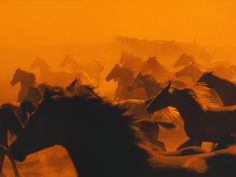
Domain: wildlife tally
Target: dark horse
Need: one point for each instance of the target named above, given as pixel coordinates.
(225, 88)
(8, 121)
(203, 122)
(101, 141)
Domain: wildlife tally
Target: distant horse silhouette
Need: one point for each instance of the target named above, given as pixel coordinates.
(184, 60)
(60, 78)
(29, 90)
(94, 68)
(26, 80)
(8, 121)
(125, 79)
(225, 88)
(203, 120)
(192, 71)
(130, 62)
(152, 67)
(149, 83)
(101, 141)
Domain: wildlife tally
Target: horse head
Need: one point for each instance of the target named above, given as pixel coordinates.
(16, 77)
(113, 73)
(161, 100)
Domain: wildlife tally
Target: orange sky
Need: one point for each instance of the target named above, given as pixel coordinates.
(40, 22)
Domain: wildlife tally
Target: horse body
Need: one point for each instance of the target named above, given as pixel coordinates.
(101, 142)
(154, 68)
(94, 68)
(201, 122)
(149, 83)
(61, 78)
(192, 71)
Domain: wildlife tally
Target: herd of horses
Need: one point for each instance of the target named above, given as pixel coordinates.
(120, 138)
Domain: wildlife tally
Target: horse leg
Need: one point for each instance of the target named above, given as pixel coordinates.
(190, 142)
(2, 157)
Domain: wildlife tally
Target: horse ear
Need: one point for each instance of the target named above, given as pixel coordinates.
(47, 94)
(169, 85)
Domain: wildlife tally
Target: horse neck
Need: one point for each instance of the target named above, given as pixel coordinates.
(188, 107)
(126, 78)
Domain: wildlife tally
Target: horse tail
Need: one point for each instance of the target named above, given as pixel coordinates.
(166, 125)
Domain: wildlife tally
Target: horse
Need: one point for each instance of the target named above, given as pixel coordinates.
(184, 60)
(101, 141)
(29, 90)
(191, 71)
(60, 78)
(130, 62)
(125, 78)
(26, 80)
(149, 83)
(204, 121)
(152, 67)
(94, 68)
(8, 121)
(224, 88)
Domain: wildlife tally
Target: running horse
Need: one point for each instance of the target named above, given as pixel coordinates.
(101, 141)
(125, 79)
(203, 120)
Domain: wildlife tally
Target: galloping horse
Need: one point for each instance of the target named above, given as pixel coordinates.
(154, 68)
(191, 71)
(8, 121)
(203, 120)
(103, 142)
(94, 68)
(184, 60)
(125, 79)
(149, 83)
(60, 78)
(26, 80)
(225, 88)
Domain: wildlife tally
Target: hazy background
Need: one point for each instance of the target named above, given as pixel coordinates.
(52, 28)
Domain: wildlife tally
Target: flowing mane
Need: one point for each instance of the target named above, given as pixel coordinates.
(201, 95)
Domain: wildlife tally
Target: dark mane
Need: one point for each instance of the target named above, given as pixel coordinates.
(200, 94)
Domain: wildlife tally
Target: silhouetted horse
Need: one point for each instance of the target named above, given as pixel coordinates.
(192, 71)
(8, 121)
(149, 83)
(125, 79)
(203, 121)
(60, 78)
(26, 80)
(29, 90)
(130, 62)
(184, 60)
(102, 142)
(154, 68)
(225, 88)
(94, 68)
